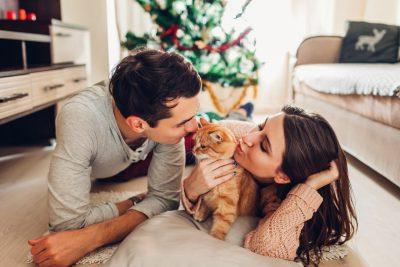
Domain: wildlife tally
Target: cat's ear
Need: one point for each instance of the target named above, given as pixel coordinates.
(216, 137)
(203, 122)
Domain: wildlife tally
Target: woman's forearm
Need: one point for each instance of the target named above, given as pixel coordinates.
(278, 235)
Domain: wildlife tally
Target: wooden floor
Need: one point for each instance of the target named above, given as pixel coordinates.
(23, 207)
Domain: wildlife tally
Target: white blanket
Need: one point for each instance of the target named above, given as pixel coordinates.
(345, 78)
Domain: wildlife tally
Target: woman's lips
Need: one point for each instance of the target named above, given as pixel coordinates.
(239, 149)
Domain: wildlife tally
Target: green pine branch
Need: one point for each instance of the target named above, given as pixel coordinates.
(200, 24)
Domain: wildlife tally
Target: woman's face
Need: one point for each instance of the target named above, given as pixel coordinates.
(261, 151)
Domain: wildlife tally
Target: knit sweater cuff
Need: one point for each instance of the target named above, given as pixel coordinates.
(190, 207)
(308, 194)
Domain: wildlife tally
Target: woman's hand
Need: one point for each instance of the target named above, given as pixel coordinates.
(207, 174)
(323, 178)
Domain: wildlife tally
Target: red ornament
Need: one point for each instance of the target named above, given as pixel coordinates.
(11, 15)
(31, 16)
(22, 14)
(174, 28)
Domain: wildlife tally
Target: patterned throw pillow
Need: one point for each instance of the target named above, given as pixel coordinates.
(370, 42)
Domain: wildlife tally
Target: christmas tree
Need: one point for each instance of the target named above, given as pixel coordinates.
(193, 28)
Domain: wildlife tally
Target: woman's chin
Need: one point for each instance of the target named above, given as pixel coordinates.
(236, 157)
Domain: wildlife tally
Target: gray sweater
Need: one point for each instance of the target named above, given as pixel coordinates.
(89, 146)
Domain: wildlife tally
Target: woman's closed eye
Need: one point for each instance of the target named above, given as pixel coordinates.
(261, 128)
(262, 147)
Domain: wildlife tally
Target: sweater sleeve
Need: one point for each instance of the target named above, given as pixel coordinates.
(69, 174)
(278, 235)
(165, 174)
(191, 208)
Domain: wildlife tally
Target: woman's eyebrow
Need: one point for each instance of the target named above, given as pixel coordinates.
(266, 119)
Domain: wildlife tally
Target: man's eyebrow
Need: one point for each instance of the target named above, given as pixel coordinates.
(185, 121)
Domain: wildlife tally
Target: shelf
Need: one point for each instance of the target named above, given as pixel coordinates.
(22, 36)
(15, 72)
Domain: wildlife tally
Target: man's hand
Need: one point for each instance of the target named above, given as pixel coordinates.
(60, 249)
(66, 248)
(323, 178)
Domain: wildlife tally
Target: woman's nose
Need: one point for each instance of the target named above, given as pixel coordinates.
(248, 140)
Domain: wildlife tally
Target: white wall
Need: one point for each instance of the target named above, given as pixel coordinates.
(101, 18)
(345, 10)
(91, 14)
(114, 47)
(380, 11)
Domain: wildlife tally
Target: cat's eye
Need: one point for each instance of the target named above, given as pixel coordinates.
(202, 146)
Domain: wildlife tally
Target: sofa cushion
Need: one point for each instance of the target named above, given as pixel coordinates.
(370, 42)
(346, 79)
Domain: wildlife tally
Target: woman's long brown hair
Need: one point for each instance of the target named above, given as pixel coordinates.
(311, 144)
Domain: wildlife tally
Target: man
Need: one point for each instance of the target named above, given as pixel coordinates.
(151, 106)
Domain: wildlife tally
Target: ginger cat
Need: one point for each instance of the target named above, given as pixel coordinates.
(235, 197)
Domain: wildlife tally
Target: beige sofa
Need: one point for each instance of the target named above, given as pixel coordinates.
(368, 126)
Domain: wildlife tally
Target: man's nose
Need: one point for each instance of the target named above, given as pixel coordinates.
(192, 126)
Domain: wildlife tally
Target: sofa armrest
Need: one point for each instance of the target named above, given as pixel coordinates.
(319, 49)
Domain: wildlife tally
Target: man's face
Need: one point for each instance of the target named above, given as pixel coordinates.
(181, 123)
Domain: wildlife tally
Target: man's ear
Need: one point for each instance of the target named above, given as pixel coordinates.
(136, 124)
(281, 178)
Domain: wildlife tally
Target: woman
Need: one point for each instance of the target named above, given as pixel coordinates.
(308, 206)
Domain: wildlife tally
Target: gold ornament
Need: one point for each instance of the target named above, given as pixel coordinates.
(200, 44)
(147, 7)
(217, 104)
(205, 34)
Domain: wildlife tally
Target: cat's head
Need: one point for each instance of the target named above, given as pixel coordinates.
(213, 141)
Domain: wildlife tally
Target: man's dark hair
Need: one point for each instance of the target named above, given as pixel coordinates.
(143, 83)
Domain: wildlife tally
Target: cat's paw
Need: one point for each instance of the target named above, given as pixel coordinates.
(201, 215)
(218, 234)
